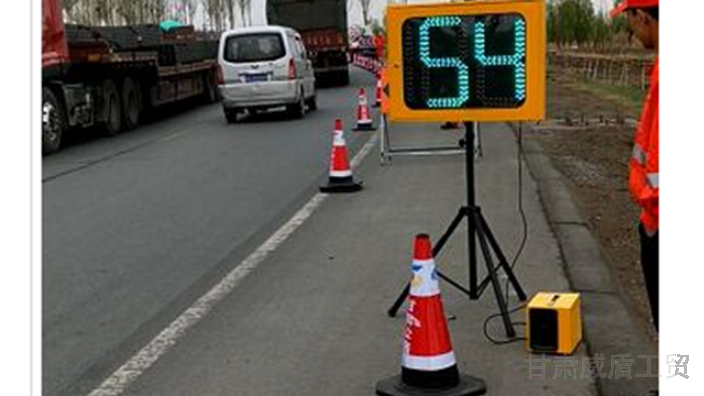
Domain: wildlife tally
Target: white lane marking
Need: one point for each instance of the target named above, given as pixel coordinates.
(167, 338)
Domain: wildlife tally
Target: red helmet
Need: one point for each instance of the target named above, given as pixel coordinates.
(626, 4)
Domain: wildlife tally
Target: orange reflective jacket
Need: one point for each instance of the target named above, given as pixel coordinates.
(644, 164)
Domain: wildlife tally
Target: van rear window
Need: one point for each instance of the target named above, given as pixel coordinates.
(255, 47)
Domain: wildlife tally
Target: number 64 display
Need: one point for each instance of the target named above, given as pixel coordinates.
(472, 61)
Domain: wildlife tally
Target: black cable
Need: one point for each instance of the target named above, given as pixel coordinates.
(521, 246)
(521, 212)
(509, 340)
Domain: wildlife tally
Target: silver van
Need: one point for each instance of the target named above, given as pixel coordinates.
(265, 67)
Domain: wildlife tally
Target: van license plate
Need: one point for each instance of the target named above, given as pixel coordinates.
(256, 78)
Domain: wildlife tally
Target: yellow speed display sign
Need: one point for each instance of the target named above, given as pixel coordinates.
(471, 61)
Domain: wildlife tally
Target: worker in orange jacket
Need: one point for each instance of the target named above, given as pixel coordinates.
(643, 181)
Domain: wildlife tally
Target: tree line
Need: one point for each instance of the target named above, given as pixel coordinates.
(576, 23)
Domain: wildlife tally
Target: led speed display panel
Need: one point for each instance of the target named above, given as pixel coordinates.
(475, 61)
(452, 62)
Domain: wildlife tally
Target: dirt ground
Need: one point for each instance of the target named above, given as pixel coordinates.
(588, 135)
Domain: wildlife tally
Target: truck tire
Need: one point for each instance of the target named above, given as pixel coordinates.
(53, 122)
(112, 108)
(210, 91)
(343, 78)
(131, 104)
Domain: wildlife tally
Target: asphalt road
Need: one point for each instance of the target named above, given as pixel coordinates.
(137, 226)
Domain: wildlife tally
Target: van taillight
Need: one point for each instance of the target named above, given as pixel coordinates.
(220, 77)
(291, 70)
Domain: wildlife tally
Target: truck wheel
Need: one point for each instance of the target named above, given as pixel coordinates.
(131, 108)
(210, 91)
(343, 78)
(112, 108)
(53, 122)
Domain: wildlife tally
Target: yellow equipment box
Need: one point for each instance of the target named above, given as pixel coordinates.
(554, 323)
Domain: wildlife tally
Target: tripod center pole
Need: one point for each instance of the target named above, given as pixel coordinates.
(469, 131)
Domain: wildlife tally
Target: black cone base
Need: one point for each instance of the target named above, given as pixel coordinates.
(341, 185)
(443, 378)
(467, 386)
(365, 128)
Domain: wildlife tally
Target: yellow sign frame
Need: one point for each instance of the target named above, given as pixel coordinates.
(533, 108)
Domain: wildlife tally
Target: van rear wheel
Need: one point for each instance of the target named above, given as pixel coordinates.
(313, 103)
(231, 116)
(298, 110)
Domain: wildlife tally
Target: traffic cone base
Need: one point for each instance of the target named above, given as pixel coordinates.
(443, 378)
(341, 185)
(466, 386)
(364, 126)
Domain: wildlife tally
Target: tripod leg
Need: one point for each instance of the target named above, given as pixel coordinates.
(399, 301)
(510, 332)
(502, 260)
(450, 229)
(453, 283)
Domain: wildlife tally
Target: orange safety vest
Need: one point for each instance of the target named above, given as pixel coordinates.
(644, 164)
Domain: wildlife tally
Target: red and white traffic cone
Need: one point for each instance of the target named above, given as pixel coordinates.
(428, 362)
(341, 178)
(364, 121)
(379, 92)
